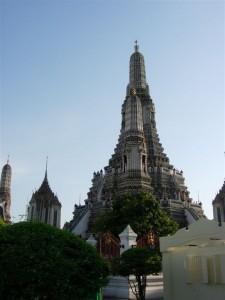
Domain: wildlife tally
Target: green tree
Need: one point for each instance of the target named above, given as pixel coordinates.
(2, 222)
(39, 261)
(138, 262)
(141, 211)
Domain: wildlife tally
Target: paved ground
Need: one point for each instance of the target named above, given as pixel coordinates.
(105, 298)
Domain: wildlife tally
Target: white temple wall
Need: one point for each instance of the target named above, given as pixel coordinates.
(177, 284)
(194, 262)
(118, 287)
(82, 226)
(190, 218)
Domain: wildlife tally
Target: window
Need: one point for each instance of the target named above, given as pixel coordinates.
(144, 163)
(46, 215)
(32, 213)
(218, 214)
(55, 218)
(124, 163)
(196, 269)
(218, 266)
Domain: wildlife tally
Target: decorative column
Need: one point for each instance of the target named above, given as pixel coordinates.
(92, 241)
(127, 239)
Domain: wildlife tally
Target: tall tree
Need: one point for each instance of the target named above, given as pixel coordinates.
(39, 261)
(138, 262)
(141, 211)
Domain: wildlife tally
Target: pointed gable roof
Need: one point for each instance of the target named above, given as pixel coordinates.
(46, 193)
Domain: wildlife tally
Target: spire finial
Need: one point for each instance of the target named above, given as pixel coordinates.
(136, 46)
(46, 167)
(8, 160)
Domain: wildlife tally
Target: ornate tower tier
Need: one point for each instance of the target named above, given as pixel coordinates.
(219, 205)
(137, 70)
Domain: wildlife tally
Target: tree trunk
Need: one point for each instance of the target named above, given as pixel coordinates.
(141, 280)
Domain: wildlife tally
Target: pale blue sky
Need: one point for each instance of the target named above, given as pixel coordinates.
(64, 71)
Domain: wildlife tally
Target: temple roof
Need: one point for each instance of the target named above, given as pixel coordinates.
(6, 176)
(46, 193)
(201, 233)
(7, 168)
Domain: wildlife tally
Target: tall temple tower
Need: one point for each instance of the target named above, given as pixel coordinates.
(139, 161)
(44, 205)
(5, 192)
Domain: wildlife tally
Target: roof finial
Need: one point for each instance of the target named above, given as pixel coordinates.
(8, 160)
(136, 46)
(46, 168)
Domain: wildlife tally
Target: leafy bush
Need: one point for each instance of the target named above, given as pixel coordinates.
(39, 261)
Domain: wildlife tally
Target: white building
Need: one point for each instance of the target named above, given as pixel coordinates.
(194, 262)
(44, 205)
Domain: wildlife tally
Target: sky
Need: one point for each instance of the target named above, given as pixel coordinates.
(64, 68)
